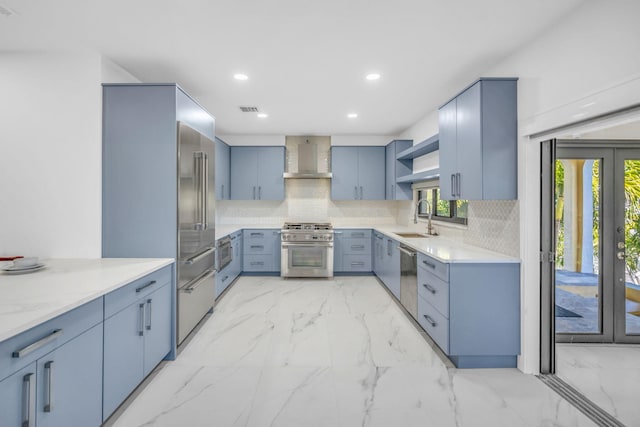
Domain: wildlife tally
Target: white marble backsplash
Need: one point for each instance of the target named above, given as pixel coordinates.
(307, 200)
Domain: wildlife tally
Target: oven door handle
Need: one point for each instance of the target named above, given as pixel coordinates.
(307, 245)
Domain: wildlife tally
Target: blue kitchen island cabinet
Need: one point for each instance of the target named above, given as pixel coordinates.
(228, 274)
(137, 334)
(223, 172)
(261, 248)
(51, 375)
(478, 142)
(358, 173)
(471, 311)
(257, 173)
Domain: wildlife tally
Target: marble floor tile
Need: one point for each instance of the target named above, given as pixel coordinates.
(339, 352)
(609, 375)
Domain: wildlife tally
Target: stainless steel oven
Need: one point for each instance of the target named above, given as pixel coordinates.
(225, 253)
(307, 250)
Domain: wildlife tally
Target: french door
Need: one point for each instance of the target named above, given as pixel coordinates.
(596, 226)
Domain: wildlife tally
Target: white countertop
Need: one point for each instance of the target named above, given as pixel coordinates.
(441, 248)
(446, 250)
(27, 300)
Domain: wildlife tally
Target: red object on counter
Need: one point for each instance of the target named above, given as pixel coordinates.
(10, 258)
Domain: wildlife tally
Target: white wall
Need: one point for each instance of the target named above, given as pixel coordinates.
(587, 64)
(50, 153)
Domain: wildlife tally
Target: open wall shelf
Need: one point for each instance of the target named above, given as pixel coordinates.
(419, 176)
(425, 147)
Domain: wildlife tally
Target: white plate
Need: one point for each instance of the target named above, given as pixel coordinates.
(18, 270)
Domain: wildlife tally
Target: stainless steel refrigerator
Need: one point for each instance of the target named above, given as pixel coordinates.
(196, 231)
(158, 192)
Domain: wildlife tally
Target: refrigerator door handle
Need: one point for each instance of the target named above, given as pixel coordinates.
(198, 167)
(205, 192)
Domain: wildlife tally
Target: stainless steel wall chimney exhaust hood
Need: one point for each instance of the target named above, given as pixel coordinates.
(308, 157)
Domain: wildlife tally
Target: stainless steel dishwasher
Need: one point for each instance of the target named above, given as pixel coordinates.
(409, 280)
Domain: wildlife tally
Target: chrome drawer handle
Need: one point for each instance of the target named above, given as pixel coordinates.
(360, 247)
(48, 388)
(429, 264)
(36, 345)
(141, 288)
(429, 288)
(359, 263)
(141, 319)
(28, 401)
(198, 257)
(256, 234)
(257, 247)
(149, 315)
(430, 320)
(198, 281)
(257, 263)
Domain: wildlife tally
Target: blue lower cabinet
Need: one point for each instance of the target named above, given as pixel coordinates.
(390, 266)
(70, 383)
(261, 249)
(352, 251)
(136, 339)
(472, 311)
(63, 386)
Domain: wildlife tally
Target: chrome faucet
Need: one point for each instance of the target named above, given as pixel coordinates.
(415, 215)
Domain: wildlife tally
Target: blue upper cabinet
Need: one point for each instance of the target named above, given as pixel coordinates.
(478, 142)
(257, 173)
(223, 172)
(397, 168)
(358, 173)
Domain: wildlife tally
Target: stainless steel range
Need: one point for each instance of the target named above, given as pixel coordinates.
(307, 250)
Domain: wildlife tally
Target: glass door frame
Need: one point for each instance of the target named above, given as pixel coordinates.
(593, 151)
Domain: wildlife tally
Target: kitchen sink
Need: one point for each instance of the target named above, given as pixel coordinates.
(412, 235)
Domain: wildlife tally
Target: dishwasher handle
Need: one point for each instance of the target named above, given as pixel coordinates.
(407, 251)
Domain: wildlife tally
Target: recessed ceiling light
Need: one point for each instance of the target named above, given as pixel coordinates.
(263, 115)
(240, 76)
(588, 104)
(373, 76)
(352, 115)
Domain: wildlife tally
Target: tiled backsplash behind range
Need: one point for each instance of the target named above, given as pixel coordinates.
(307, 200)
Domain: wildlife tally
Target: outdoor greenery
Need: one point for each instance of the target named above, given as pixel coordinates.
(632, 216)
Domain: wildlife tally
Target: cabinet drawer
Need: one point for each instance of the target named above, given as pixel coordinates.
(70, 325)
(440, 269)
(257, 263)
(257, 248)
(434, 290)
(434, 323)
(258, 236)
(121, 298)
(356, 263)
(355, 234)
(356, 246)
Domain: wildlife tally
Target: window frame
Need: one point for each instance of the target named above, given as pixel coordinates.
(432, 196)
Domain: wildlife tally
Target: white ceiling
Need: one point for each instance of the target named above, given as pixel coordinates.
(306, 60)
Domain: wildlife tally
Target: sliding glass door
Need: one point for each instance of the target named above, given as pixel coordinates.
(597, 243)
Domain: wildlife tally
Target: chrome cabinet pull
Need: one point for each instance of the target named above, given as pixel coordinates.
(198, 281)
(257, 263)
(259, 192)
(225, 278)
(356, 192)
(256, 234)
(429, 288)
(36, 345)
(357, 234)
(28, 401)
(48, 387)
(198, 257)
(378, 237)
(360, 192)
(254, 192)
(257, 247)
(141, 288)
(141, 319)
(453, 185)
(149, 315)
(357, 247)
(222, 191)
(429, 264)
(357, 263)
(430, 320)
(393, 189)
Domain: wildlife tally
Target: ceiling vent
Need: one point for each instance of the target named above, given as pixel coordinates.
(249, 109)
(6, 12)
